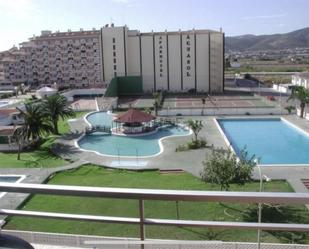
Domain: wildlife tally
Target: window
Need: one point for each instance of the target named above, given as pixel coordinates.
(114, 47)
(114, 40)
(115, 67)
(114, 54)
(114, 60)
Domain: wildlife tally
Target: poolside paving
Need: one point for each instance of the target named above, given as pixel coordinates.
(33, 175)
(191, 161)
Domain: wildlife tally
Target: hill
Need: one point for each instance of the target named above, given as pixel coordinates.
(295, 39)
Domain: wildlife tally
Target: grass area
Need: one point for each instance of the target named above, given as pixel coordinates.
(97, 176)
(41, 157)
(63, 125)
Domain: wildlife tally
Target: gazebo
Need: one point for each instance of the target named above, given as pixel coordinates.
(135, 121)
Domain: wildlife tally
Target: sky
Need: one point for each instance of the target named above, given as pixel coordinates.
(21, 19)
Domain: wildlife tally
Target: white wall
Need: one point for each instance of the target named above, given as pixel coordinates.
(92, 91)
(164, 70)
(216, 62)
(202, 62)
(108, 33)
(174, 62)
(147, 62)
(133, 55)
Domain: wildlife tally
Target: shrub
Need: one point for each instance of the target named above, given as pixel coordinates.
(224, 168)
(181, 147)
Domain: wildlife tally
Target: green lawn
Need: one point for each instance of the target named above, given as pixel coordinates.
(97, 176)
(63, 125)
(40, 157)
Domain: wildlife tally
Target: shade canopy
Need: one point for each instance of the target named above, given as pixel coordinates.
(134, 116)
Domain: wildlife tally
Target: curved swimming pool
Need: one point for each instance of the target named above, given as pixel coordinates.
(111, 145)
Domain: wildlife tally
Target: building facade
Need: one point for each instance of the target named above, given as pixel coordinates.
(67, 58)
(173, 61)
(301, 79)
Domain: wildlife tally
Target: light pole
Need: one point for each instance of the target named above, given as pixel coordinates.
(16, 91)
(280, 99)
(260, 205)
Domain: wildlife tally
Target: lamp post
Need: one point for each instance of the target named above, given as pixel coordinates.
(267, 179)
(280, 98)
(260, 205)
(16, 91)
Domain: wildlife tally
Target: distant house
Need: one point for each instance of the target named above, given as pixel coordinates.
(235, 64)
(45, 92)
(301, 79)
(10, 116)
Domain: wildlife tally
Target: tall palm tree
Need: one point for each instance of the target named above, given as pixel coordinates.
(34, 127)
(302, 94)
(56, 107)
(156, 103)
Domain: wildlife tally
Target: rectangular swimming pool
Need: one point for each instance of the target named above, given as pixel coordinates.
(11, 179)
(274, 141)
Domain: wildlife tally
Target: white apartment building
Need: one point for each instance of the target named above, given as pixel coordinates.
(301, 79)
(67, 58)
(174, 61)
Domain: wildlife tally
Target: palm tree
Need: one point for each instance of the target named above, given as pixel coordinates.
(196, 126)
(302, 94)
(35, 125)
(156, 104)
(56, 107)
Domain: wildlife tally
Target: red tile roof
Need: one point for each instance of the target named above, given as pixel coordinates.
(134, 116)
(7, 112)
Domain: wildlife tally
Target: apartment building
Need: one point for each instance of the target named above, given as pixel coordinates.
(178, 61)
(67, 58)
(174, 61)
(301, 79)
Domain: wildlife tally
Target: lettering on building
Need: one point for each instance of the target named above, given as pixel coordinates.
(114, 57)
(160, 57)
(188, 66)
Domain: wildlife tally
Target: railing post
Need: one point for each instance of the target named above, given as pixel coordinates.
(141, 224)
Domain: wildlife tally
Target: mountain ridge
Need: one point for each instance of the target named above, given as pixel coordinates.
(249, 42)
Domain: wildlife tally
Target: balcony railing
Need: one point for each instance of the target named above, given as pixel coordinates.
(153, 194)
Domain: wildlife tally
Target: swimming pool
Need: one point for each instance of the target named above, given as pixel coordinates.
(111, 145)
(274, 141)
(10, 179)
(3, 103)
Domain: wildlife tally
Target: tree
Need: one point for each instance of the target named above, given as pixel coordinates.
(35, 125)
(196, 126)
(19, 137)
(289, 108)
(224, 168)
(302, 94)
(56, 107)
(156, 104)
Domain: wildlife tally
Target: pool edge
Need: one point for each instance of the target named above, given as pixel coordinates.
(216, 119)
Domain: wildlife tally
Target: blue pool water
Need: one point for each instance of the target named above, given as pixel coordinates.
(100, 118)
(124, 146)
(10, 179)
(272, 140)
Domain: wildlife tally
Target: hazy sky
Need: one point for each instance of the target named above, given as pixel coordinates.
(20, 19)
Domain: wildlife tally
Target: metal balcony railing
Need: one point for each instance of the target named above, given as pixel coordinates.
(153, 194)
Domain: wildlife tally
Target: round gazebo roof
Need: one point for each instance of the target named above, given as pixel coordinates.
(134, 116)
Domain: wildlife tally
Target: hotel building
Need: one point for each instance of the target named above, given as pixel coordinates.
(178, 61)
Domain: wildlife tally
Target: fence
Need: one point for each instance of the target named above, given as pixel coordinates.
(169, 195)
